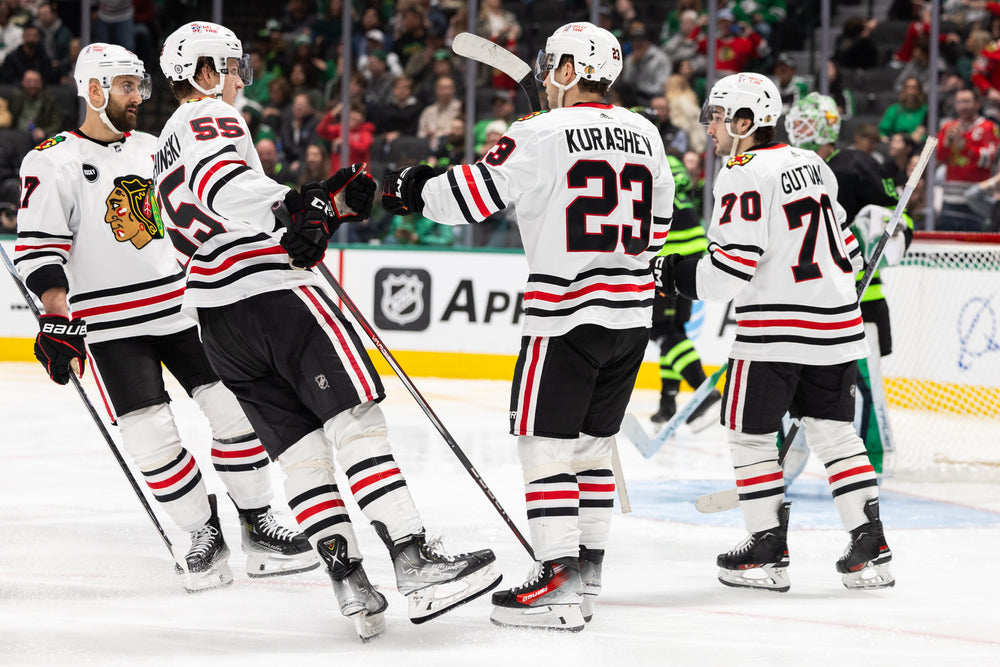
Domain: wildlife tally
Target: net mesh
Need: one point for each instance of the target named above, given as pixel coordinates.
(942, 380)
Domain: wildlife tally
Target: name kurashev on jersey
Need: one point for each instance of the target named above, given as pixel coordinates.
(581, 139)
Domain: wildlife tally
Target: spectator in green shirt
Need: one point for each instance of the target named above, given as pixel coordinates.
(909, 115)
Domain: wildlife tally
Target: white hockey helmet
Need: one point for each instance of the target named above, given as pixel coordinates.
(181, 50)
(746, 90)
(106, 61)
(597, 55)
(813, 121)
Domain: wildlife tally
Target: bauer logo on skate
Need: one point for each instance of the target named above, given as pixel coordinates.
(403, 297)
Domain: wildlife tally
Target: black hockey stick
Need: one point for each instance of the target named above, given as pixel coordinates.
(97, 420)
(486, 52)
(422, 402)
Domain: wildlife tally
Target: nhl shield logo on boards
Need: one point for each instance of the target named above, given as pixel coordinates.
(403, 299)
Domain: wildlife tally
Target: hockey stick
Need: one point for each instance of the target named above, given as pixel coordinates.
(486, 52)
(422, 402)
(616, 468)
(97, 420)
(911, 183)
(648, 446)
(720, 501)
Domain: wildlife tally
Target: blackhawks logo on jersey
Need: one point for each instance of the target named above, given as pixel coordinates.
(533, 114)
(740, 160)
(132, 212)
(50, 142)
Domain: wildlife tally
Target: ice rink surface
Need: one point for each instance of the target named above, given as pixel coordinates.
(85, 579)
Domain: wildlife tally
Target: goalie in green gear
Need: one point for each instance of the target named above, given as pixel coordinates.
(813, 123)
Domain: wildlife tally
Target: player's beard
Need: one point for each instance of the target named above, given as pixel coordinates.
(120, 117)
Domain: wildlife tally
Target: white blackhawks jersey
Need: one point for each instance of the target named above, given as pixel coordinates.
(216, 205)
(86, 213)
(594, 198)
(780, 247)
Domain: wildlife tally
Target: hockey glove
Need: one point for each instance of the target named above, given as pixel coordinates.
(401, 189)
(305, 219)
(664, 277)
(59, 346)
(352, 193)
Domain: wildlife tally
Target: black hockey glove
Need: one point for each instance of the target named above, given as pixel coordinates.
(352, 193)
(59, 344)
(401, 189)
(664, 275)
(305, 216)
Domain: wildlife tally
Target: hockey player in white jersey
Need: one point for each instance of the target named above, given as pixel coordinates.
(91, 243)
(779, 246)
(594, 197)
(277, 339)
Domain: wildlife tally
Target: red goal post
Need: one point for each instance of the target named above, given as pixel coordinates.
(942, 380)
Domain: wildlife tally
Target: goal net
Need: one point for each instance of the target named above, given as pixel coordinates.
(942, 380)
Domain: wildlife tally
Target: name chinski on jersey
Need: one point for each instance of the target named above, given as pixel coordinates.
(800, 178)
(580, 139)
(165, 156)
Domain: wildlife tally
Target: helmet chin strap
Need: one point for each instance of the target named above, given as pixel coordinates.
(102, 112)
(562, 88)
(215, 92)
(737, 137)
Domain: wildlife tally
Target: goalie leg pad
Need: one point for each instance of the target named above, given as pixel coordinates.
(150, 437)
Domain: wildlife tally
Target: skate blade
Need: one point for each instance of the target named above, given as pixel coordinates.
(871, 576)
(217, 577)
(767, 577)
(266, 564)
(587, 604)
(431, 601)
(555, 617)
(369, 626)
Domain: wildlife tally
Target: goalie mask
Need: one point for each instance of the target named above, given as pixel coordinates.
(813, 121)
(746, 90)
(103, 63)
(181, 50)
(597, 55)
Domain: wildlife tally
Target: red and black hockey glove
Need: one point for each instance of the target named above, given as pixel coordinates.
(401, 189)
(59, 346)
(304, 216)
(352, 193)
(664, 277)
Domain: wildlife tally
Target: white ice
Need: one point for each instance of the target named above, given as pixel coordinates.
(85, 579)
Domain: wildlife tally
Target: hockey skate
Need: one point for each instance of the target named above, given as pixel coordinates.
(271, 549)
(434, 582)
(668, 403)
(358, 599)
(207, 559)
(760, 560)
(705, 414)
(590, 575)
(549, 600)
(865, 563)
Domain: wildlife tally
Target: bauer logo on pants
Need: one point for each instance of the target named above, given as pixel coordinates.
(402, 299)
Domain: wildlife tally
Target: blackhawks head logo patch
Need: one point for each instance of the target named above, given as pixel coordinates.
(50, 142)
(132, 211)
(739, 160)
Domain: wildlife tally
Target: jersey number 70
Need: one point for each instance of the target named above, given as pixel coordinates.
(578, 239)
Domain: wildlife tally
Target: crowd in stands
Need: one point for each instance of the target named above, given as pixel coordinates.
(407, 98)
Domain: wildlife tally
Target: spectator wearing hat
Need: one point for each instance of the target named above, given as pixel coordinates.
(736, 45)
(435, 120)
(791, 86)
(371, 19)
(441, 65)
(503, 111)
(375, 42)
(495, 129)
(646, 68)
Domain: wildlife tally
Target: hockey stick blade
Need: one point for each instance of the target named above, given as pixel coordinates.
(721, 501)
(648, 446)
(493, 55)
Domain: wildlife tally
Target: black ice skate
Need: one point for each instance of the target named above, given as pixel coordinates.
(434, 582)
(272, 549)
(668, 402)
(760, 560)
(549, 600)
(358, 599)
(590, 575)
(865, 563)
(705, 414)
(207, 559)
